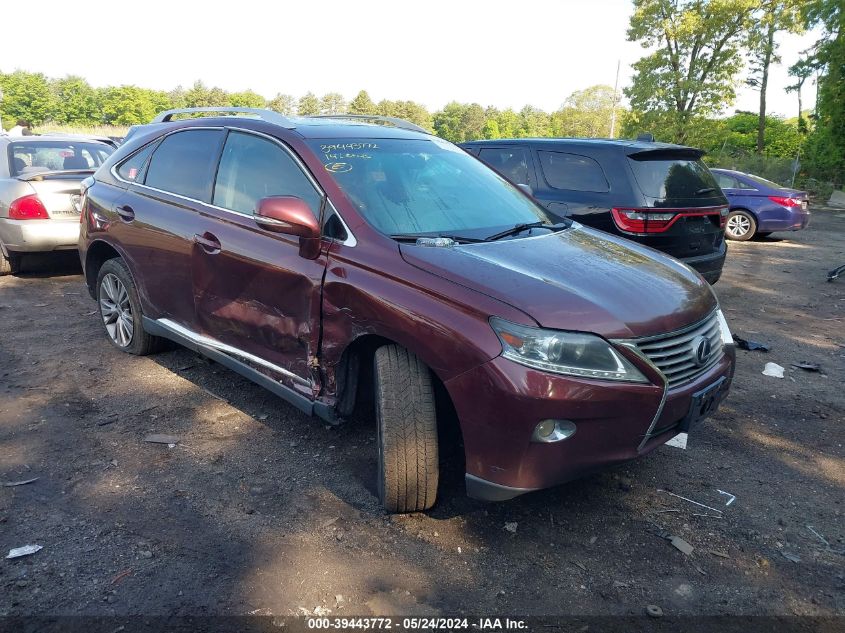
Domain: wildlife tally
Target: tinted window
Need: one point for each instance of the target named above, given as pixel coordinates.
(133, 169)
(404, 186)
(572, 172)
(511, 163)
(32, 158)
(184, 162)
(726, 182)
(252, 168)
(673, 178)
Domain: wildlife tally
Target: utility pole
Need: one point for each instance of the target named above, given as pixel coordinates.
(1, 114)
(613, 110)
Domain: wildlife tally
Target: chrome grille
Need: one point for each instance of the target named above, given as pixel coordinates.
(675, 354)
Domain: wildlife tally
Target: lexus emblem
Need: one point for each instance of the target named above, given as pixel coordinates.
(700, 350)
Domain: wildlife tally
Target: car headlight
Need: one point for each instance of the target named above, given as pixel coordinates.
(569, 353)
(724, 330)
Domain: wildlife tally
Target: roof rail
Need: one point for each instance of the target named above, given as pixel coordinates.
(395, 121)
(265, 115)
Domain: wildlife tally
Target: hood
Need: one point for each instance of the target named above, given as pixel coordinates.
(577, 279)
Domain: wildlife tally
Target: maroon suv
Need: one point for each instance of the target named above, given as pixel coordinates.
(335, 261)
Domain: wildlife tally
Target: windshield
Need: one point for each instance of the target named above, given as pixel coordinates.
(31, 157)
(415, 186)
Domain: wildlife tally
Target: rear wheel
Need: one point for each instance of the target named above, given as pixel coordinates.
(741, 225)
(120, 310)
(407, 431)
(10, 265)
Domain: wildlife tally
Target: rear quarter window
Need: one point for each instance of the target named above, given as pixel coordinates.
(572, 172)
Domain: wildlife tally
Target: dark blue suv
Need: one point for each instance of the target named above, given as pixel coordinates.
(657, 194)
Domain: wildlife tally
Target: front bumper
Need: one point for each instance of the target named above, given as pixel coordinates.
(31, 236)
(500, 403)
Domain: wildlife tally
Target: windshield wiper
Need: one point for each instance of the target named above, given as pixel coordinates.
(413, 237)
(701, 192)
(519, 228)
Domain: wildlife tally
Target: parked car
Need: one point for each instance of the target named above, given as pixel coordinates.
(40, 191)
(338, 262)
(657, 194)
(761, 207)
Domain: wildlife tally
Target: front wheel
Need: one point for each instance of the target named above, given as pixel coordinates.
(120, 310)
(407, 431)
(741, 226)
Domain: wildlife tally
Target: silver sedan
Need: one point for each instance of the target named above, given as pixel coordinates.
(40, 180)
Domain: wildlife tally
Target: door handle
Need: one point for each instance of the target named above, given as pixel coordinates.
(126, 213)
(208, 242)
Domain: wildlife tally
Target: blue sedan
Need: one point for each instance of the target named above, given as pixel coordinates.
(759, 206)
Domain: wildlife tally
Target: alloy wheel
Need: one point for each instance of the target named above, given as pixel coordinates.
(116, 310)
(738, 225)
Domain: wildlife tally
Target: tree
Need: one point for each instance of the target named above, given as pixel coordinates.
(802, 70)
(283, 104)
(247, 99)
(308, 104)
(585, 113)
(826, 145)
(333, 103)
(362, 104)
(201, 96)
(533, 123)
(26, 96)
(696, 56)
(774, 16)
(131, 105)
(76, 101)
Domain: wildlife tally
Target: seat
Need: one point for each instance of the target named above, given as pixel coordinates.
(19, 164)
(75, 162)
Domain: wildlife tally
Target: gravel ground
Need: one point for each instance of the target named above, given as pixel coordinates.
(260, 510)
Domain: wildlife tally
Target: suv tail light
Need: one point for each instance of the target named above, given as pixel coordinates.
(659, 220)
(785, 201)
(28, 208)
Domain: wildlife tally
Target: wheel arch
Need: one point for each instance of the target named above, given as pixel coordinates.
(98, 253)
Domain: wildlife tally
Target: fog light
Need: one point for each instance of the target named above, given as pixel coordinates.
(549, 431)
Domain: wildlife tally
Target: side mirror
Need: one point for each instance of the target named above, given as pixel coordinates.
(527, 189)
(290, 215)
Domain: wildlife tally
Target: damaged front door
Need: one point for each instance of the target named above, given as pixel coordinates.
(253, 292)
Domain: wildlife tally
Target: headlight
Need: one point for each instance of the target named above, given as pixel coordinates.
(724, 330)
(570, 353)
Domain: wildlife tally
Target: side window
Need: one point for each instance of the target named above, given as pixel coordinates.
(132, 169)
(726, 182)
(183, 163)
(252, 168)
(512, 163)
(572, 172)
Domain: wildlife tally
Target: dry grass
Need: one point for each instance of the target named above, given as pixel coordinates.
(94, 130)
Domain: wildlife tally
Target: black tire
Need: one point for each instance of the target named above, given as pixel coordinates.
(10, 265)
(763, 233)
(741, 219)
(139, 342)
(407, 431)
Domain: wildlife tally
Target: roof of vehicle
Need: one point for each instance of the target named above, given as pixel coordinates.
(630, 144)
(48, 138)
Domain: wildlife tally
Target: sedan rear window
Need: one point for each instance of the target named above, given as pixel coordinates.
(30, 157)
(672, 178)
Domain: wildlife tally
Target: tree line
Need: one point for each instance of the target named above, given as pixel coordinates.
(696, 50)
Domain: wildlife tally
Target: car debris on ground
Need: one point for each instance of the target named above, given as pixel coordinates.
(751, 346)
(160, 438)
(25, 550)
(814, 367)
(12, 484)
(774, 370)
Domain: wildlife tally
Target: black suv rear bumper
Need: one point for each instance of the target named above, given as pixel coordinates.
(710, 266)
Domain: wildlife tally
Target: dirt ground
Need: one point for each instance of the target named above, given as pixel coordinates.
(260, 510)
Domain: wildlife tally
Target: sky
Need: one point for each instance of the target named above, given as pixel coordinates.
(505, 54)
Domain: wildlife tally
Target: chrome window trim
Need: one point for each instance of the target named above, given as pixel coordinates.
(349, 241)
(207, 341)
